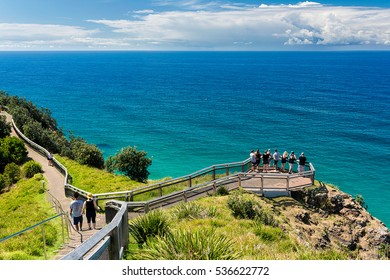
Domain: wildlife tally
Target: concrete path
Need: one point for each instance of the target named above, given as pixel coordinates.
(55, 186)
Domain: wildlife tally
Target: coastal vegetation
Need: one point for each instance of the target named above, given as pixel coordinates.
(40, 127)
(131, 162)
(318, 223)
(21, 208)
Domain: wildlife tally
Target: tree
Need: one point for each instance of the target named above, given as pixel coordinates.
(85, 153)
(134, 164)
(13, 150)
(5, 128)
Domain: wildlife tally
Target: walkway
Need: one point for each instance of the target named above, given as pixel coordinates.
(55, 186)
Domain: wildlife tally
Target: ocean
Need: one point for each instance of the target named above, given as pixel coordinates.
(190, 110)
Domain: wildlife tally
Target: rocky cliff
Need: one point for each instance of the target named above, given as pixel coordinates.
(324, 217)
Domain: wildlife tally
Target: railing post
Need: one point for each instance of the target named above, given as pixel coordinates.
(262, 183)
(242, 167)
(288, 182)
(131, 198)
(239, 180)
(44, 241)
(114, 244)
(189, 182)
(160, 189)
(146, 208)
(213, 173)
(63, 228)
(227, 169)
(214, 188)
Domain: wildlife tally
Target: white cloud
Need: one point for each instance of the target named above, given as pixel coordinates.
(306, 23)
(253, 28)
(15, 35)
(144, 12)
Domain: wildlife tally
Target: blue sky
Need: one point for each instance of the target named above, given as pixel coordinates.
(194, 25)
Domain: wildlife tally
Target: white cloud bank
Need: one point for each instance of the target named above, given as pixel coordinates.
(266, 27)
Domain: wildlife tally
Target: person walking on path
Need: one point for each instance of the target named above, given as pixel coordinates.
(301, 163)
(90, 207)
(291, 161)
(50, 159)
(76, 211)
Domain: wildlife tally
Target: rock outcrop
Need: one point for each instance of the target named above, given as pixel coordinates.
(329, 218)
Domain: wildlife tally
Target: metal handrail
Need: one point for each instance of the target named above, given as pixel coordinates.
(30, 227)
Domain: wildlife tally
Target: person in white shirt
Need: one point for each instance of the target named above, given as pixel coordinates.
(276, 157)
(76, 211)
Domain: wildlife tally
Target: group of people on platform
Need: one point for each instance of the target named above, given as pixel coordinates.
(79, 207)
(267, 158)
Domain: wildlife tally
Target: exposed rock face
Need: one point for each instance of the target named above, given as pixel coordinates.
(334, 219)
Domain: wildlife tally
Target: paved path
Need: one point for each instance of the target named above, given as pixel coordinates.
(55, 186)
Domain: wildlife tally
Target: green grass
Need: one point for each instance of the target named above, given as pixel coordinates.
(23, 206)
(95, 180)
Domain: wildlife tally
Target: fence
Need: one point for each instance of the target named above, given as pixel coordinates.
(42, 223)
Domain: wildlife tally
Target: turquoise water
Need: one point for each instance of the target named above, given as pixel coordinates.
(190, 110)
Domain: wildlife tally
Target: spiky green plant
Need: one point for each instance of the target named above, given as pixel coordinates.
(153, 224)
(189, 210)
(187, 245)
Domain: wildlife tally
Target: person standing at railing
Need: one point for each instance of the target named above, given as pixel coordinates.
(266, 159)
(284, 160)
(76, 211)
(276, 157)
(301, 163)
(291, 161)
(90, 207)
(252, 156)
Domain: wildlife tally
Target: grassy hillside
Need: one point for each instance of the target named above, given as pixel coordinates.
(96, 180)
(23, 206)
(195, 226)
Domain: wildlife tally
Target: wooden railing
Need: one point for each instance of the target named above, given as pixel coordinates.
(188, 181)
(111, 241)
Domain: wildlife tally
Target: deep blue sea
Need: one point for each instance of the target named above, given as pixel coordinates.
(190, 110)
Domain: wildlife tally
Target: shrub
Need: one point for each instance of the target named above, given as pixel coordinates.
(242, 207)
(12, 149)
(12, 173)
(153, 224)
(5, 128)
(186, 245)
(189, 210)
(221, 191)
(3, 182)
(134, 164)
(31, 168)
(85, 153)
(360, 200)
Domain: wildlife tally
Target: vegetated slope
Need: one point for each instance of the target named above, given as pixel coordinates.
(320, 222)
(24, 205)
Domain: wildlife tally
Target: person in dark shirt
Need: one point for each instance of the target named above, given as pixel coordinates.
(302, 162)
(266, 158)
(291, 161)
(90, 208)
